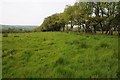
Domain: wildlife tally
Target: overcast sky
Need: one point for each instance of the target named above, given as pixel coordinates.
(30, 12)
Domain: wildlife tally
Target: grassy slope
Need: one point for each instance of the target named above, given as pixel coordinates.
(59, 54)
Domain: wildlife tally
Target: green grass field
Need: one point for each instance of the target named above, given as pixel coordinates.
(59, 55)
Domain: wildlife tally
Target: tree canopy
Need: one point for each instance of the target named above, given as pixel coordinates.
(89, 16)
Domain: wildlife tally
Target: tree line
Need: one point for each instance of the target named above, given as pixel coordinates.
(16, 28)
(89, 17)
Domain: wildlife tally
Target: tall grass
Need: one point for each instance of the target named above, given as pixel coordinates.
(60, 55)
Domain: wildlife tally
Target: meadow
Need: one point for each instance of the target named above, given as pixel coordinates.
(59, 55)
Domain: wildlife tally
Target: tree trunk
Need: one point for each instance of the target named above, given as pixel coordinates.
(101, 27)
(83, 28)
(108, 28)
(71, 25)
(79, 26)
(119, 30)
(106, 31)
(110, 32)
(94, 28)
(67, 28)
(63, 27)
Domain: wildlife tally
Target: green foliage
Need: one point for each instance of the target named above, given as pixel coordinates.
(69, 13)
(52, 23)
(89, 16)
(59, 55)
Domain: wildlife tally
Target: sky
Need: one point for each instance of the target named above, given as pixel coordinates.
(30, 12)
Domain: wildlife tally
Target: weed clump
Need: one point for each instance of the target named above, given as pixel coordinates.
(5, 35)
(44, 39)
(96, 38)
(76, 42)
(9, 52)
(16, 36)
(72, 42)
(51, 43)
(83, 45)
(60, 61)
(104, 45)
(26, 56)
(64, 72)
(12, 50)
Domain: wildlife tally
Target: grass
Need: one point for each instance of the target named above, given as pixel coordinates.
(59, 55)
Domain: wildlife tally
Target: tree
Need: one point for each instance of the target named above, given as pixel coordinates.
(89, 16)
(69, 13)
(53, 23)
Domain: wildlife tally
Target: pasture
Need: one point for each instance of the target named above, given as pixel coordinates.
(59, 55)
